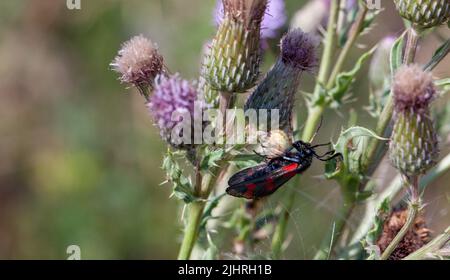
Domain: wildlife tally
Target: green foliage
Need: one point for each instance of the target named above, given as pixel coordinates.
(181, 184)
(338, 94)
(374, 233)
(438, 56)
(352, 144)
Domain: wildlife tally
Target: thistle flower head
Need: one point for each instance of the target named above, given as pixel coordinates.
(417, 237)
(138, 62)
(173, 98)
(277, 90)
(299, 50)
(232, 63)
(424, 13)
(413, 89)
(274, 18)
(413, 147)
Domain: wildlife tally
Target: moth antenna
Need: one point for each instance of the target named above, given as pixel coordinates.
(317, 130)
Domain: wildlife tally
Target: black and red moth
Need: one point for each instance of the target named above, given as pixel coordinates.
(264, 179)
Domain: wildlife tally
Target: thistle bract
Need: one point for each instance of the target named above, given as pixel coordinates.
(413, 146)
(424, 13)
(232, 64)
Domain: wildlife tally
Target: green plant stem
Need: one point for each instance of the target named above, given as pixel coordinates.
(203, 187)
(278, 236)
(354, 33)
(442, 54)
(376, 149)
(431, 250)
(329, 243)
(316, 111)
(191, 230)
(314, 117)
(225, 102)
(411, 46)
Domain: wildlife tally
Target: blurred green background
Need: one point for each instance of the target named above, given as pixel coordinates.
(79, 156)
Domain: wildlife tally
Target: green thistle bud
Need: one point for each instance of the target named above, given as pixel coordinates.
(278, 88)
(414, 145)
(232, 64)
(424, 13)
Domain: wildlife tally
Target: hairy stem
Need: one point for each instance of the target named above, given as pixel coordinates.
(278, 236)
(191, 231)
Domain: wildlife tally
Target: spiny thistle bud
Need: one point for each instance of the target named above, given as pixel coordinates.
(413, 146)
(232, 64)
(417, 237)
(424, 13)
(173, 100)
(138, 63)
(277, 90)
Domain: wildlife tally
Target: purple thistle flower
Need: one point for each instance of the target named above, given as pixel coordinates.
(172, 95)
(274, 18)
(298, 49)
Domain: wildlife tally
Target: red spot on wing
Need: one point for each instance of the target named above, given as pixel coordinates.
(270, 184)
(250, 190)
(291, 167)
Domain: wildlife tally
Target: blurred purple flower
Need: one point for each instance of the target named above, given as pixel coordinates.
(171, 95)
(274, 18)
(315, 13)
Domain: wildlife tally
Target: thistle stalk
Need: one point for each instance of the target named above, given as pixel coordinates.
(315, 112)
(413, 211)
(191, 231)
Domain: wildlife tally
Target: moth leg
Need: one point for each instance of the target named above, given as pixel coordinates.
(338, 155)
(296, 160)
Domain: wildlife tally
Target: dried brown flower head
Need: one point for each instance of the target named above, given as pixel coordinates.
(417, 237)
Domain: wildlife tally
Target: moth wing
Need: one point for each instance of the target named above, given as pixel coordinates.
(265, 184)
(246, 175)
